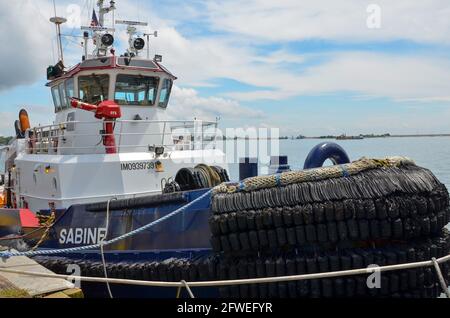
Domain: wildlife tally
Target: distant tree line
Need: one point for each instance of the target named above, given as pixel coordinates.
(5, 140)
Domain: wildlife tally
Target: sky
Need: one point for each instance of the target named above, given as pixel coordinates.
(310, 67)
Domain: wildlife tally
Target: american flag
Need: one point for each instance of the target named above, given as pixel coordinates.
(94, 22)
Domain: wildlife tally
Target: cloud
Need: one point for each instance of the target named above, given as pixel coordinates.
(365, 75)
(198, 59)
(7, 123)
(26, 46)
(254, 43)
(408, 77)
(293, 20)
(187, 103)
(39, 115)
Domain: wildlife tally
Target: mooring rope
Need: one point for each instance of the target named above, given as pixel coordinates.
(106, 243)
(105, 272)
(50, 221)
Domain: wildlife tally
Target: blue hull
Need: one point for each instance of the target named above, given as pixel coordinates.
(183, 236)
(186, 231)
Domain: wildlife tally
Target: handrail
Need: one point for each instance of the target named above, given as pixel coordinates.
(130, 146)
(46, 139)
(115, 134)
(135, 121)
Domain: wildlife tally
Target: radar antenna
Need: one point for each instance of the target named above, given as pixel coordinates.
(58, 21)
(136, 43)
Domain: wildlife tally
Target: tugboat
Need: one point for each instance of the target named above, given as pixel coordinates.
(116, 188)
(111, 141)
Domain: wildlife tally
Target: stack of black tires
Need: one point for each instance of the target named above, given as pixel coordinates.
(384, 216)
(200, 177)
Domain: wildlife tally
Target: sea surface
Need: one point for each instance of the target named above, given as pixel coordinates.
(430, 152)
(2, 160)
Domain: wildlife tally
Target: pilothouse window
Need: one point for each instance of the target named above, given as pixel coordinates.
(93, 88)
(165, 93)
(70, 90)
(56, 98)
(136, 90)
(62, 95)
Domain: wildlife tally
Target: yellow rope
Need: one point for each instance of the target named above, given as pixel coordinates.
(212, 176)
(290, 177)
(47, 223)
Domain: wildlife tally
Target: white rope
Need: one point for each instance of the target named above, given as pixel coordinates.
(440, 277)
(191, 294)
(101, 247)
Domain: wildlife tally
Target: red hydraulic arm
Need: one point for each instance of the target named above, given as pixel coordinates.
(107, 110)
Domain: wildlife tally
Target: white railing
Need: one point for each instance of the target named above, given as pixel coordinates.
(82, 137)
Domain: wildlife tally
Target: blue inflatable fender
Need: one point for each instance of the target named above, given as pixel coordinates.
(326, 150)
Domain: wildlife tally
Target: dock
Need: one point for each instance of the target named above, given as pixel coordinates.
(13, 285)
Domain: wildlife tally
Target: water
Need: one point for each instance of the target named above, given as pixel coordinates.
(429, 152)
(2, 160)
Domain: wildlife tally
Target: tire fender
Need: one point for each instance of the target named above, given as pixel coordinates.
(323, 151)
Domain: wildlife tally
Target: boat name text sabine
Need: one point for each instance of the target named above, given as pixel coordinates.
(83, 236)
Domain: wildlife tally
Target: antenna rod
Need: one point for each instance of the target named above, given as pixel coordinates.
(155, 34)
(148, 46)
(58, 31)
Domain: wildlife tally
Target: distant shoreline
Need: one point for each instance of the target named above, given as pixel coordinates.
(391, 136)
(368, 136)
(334, 137)
(420, 135)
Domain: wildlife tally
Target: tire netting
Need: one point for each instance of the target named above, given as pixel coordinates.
(410, 283)
(390, 199)
(369, 184)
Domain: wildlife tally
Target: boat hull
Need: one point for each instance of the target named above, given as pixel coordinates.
(185, 236)
(82, 225)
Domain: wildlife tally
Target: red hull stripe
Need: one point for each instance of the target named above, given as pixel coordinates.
(28, 218)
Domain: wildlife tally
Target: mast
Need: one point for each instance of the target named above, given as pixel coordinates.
(102, 11)
(101, 34)
(58, 21)
(155, 34)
